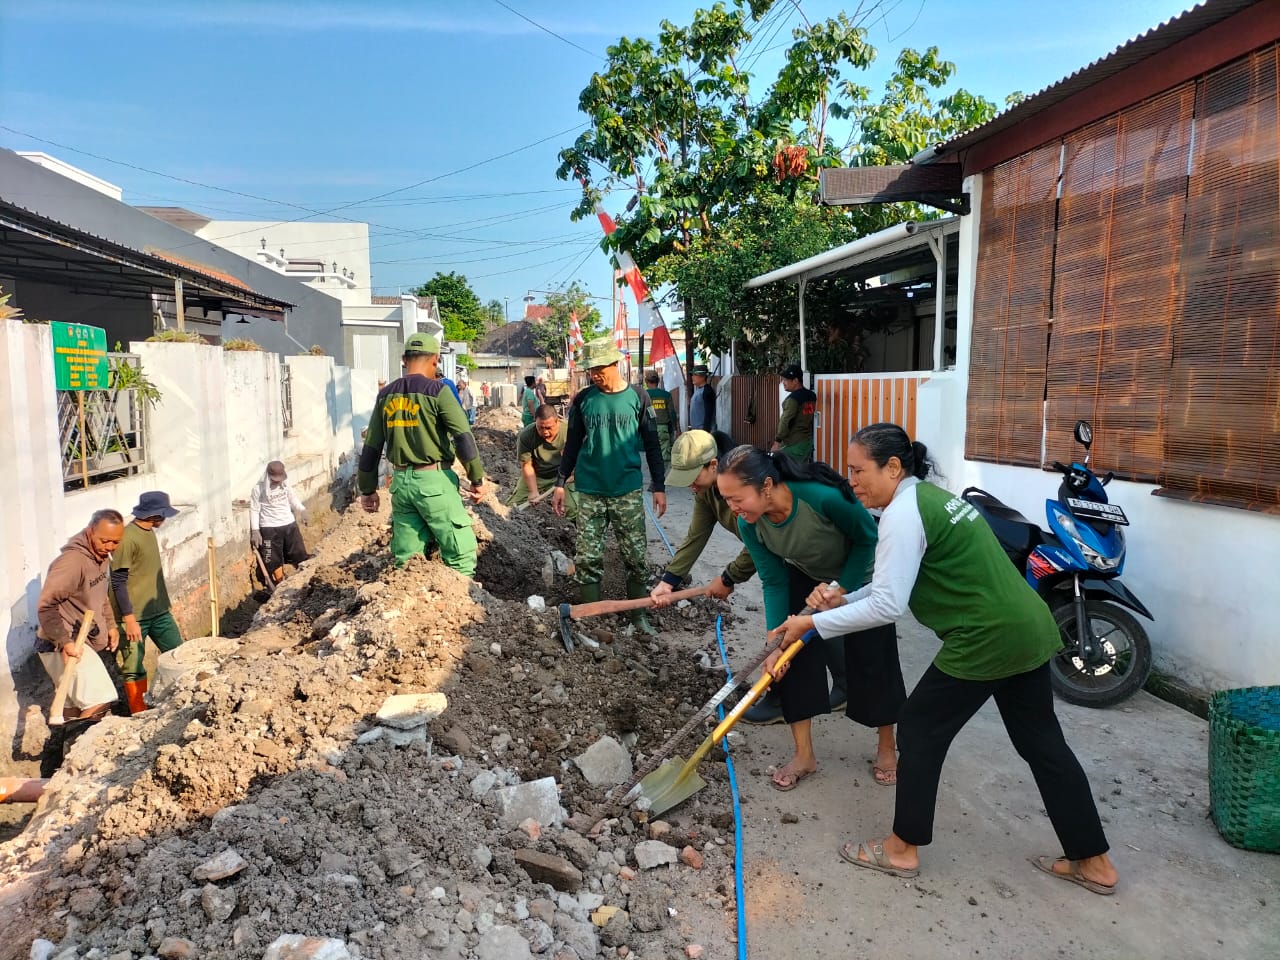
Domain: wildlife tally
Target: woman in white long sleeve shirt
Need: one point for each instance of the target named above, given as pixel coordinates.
(936, 557)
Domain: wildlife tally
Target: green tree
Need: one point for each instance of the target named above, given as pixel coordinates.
(549, 334)
(494, 314)
(460, 311)
(724, 180)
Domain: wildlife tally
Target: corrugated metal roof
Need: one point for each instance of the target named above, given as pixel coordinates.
(1141, 47)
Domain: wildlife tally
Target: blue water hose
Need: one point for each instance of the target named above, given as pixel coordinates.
(738, 857)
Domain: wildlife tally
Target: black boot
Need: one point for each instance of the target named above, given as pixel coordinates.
(590, 592)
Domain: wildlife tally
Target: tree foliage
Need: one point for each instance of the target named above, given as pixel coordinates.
(460, 312)
(724, 178)
(549, 334)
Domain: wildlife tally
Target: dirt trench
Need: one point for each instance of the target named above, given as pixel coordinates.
(392, 842)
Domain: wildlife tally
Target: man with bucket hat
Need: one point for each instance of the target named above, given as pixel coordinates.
(610, 424)
(139, 596)
(420, 422)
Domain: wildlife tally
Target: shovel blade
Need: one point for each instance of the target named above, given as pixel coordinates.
(670, 785)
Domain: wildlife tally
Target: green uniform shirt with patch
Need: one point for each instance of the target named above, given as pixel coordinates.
(545, 457)
(991, 622)
(607, 434)
(139, 553)
(528, 404)
(795, 426)
(710, 509)
(826, 537)
(415, 417)
(664, 410)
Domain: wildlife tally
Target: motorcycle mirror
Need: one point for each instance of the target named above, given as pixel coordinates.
(1084, 433)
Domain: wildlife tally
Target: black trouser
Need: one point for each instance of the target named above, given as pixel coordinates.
(865, 663)
(281, 545)
(941, 705)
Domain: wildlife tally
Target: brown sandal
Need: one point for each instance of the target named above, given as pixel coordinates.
(877, 859)
(1045, 865)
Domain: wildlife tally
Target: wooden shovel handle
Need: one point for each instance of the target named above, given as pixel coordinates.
(599, 607)
(64, 682)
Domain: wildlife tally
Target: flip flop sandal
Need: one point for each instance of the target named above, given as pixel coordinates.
(1045, 865)
(795, 781)
(882, 776)
(876, 860)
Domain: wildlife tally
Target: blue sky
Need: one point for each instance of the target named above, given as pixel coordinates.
(323, 104)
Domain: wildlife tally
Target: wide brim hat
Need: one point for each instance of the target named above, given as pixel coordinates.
(154, 503)
(701, 370)
(600, 353)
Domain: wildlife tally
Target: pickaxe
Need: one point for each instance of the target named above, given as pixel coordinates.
(570, 612)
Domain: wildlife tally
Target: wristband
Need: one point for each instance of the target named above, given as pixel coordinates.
(673, 579)
(726, 579)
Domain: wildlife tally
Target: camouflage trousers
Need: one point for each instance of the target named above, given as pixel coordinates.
(664, 441)
(626, 515)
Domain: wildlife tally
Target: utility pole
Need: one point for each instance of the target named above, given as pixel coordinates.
(506, 325)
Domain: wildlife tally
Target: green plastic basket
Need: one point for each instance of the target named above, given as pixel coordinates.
(1244, 766)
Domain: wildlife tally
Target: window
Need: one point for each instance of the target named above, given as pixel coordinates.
(1158, 302)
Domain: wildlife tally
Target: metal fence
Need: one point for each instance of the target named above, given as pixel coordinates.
(102, 433)
(286, 397)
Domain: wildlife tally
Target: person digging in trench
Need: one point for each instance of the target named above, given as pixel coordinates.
(804, 528)
(939, 559)
(610, 424)
(273, 524)
(78, 581)
(139, 595)
(539, 450)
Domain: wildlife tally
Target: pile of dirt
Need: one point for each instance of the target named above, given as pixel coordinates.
(268, 798)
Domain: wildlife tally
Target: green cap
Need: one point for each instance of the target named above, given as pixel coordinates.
(421, 343)
(600, 353)
(692, 451)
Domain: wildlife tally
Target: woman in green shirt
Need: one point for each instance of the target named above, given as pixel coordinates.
(937, 557)
(804, 528)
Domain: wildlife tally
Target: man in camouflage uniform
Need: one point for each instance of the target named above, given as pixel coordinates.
(415, 417)
(795, 426)
(665, 414)
(610, 424)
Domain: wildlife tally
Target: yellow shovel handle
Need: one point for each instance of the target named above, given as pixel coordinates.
(757, 688)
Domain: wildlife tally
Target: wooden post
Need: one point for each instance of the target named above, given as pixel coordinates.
(213, 590)
(84, 447)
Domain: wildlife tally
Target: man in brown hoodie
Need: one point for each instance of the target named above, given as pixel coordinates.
(79, 580)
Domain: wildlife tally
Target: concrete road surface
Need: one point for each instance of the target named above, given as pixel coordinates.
(1184, 893)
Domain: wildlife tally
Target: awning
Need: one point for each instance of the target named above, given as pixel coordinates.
(900, 238)
(36, 248)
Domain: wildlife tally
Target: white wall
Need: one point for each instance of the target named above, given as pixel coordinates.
(1206, 573)
(218, 423)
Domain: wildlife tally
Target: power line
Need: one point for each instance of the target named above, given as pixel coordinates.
(548, 30)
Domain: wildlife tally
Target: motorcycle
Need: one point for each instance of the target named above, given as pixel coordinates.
(1075, 566)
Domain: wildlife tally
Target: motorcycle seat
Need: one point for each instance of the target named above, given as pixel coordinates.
(1015, 532)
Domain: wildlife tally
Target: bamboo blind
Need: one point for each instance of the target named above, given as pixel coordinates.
(1116, 283)
(1222, 442)
(1011, 310)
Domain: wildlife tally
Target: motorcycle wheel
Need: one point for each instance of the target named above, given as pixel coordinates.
(1127, 656)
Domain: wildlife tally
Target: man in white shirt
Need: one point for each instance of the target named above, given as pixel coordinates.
(273, 529)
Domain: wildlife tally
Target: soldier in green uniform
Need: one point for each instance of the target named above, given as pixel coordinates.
(610, 424)
(665, 414)
(539, 449)
(795, 426)
(416, 417)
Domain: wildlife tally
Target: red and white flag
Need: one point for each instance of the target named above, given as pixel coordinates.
(649, 315)
(575, 338)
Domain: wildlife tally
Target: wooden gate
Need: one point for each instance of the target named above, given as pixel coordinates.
(756, 409)
(848, 401)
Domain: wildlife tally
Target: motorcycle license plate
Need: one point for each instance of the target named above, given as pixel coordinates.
(1091, 510)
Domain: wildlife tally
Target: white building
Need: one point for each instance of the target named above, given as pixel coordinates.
(332, 257)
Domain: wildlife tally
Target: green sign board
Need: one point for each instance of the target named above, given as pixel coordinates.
(79, 356)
